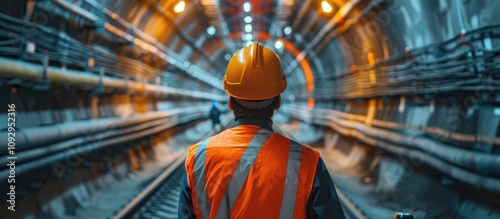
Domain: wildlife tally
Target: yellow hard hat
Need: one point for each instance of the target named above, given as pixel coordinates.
(254, 73)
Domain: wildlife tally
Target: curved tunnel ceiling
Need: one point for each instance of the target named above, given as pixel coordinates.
(321, 49)
(359, 49)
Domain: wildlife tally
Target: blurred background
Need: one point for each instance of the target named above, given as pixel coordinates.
(399, 96)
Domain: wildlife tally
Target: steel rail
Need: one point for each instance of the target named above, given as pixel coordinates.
(134, 205)
(350, 206)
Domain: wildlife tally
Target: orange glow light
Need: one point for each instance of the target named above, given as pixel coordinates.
(354, 69)
(179, 7)
(303, 63)
(371, 58)
(137, 42)
(310, 103)
(327, 8)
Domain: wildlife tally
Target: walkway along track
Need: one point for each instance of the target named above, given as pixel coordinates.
(351, 209)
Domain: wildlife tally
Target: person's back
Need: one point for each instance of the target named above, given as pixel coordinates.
(249, 171)
(244, 164)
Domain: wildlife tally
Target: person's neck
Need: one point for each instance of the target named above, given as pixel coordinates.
(263, 123)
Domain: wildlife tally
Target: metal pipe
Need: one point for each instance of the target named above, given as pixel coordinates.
(37, 136)
(399, 126)
(78, 151)
(480, 162)
(83, 150)
(165, 53)
(146, 42)
(33, 153)
(78, 11)
(468, 177)
(11, 68)
(298, 18)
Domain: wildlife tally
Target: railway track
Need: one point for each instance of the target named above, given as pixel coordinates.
(159, 199)
(164, 203)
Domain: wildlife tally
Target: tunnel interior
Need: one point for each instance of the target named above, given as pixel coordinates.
(400, 97)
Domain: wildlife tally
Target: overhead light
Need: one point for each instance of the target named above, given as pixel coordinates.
(248, 43)
(211, 30)
(327, 8)
(248, 37)
(287, 30)
(247, 7)
(227, 56)
(248, 28)
(248, 19)
(137, 41)
(278, 44)
(179, 7)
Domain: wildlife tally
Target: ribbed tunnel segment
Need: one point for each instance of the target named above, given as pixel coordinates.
(101, 98)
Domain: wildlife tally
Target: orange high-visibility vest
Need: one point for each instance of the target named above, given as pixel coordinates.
(250, 172)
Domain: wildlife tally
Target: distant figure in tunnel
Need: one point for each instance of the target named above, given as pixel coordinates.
(249, 171)
(215, 115)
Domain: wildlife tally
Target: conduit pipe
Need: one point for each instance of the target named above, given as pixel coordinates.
(31, 137)
(48, 156)
(78, 11)
(144, 41)
(82, 150)
(399, 126)
(468, 177)
(363, 133)
(33, 153)
(10, 68)
(481, 162)
(62, 144)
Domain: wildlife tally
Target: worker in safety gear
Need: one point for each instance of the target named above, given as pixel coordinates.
(249, 171)
(215, 115)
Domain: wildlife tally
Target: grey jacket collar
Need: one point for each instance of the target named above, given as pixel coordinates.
(263, 123)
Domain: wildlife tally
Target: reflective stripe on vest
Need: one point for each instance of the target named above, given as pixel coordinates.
(241, 173)
(292, 181)
(199, 175)
(218, 169)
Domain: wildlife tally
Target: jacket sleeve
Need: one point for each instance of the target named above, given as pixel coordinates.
(186, 210)
(323, 201)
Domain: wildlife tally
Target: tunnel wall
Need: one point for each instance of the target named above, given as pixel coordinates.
(430, 65)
